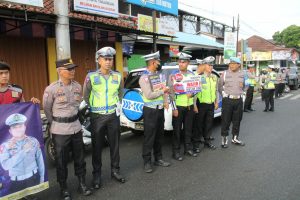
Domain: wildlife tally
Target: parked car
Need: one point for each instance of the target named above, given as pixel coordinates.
(132, 103)
(293, 78)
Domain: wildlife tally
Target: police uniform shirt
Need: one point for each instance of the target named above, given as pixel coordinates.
(145, 85)
(62, 101)
(234, 83)
(87, 86)
(20, 162)
(11, 94)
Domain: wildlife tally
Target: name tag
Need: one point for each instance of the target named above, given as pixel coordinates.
(97, 80)
(14, 94)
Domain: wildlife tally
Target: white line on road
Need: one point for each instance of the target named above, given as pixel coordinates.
(258, 97)
(286, 96)
(295, 97)
(126, 132)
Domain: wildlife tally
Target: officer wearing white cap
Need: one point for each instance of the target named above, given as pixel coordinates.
(183, 110)
(232, 86)
(61, 103)
(269, 88)
(205, 103)
(102, 91)
(250, 90)
(21, 156)
(154, 94)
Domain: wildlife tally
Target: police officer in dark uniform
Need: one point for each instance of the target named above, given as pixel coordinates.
(232, 87)
(102, 91)
(183, 111)
(153, 86)
(61, 102)
(11, 93)
(250, 90)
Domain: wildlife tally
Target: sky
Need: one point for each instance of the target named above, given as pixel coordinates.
(257, 17)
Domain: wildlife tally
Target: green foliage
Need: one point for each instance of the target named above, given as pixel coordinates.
(290, 37)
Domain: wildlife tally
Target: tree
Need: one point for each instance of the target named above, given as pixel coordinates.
(290, 37)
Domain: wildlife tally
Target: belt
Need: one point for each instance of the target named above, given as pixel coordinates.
(23, 177)
(65, 119)
(159, 107)
(232, 96)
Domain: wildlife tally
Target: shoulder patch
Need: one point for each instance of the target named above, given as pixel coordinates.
(16, 88)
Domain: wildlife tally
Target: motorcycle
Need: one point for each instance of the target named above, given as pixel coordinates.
(83, 116)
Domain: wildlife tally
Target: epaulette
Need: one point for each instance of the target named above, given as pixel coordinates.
(16, 88)
(115, 72)
(175, 71)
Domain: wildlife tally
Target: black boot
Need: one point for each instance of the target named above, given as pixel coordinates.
(96, 181)
(82, 188)
(117, 176)
(64, 193)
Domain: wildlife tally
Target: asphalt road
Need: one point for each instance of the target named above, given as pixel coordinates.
(267, 168)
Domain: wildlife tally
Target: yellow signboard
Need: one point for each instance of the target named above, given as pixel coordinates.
(145, 23)
(257, 55)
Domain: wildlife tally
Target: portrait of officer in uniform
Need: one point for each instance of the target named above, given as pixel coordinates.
(21, 156)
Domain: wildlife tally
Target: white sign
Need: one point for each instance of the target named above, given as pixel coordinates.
(186, 84)
(99, 7)
(166, 26)
(38, 3)
(281, 55)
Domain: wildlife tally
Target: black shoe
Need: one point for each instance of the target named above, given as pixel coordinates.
(96, 181)
(238, 142)
(210, 138)
(246, 110)
(82, 188)
(209, 146)
(224, 142)
(162, 163)
(177, 156)
(224, 146)
(190, 153)
(64, 193)
(271, 109)
(30, 197)
(251, 109)
(148, 168)
(197, 150)
(118, 177)
(266, 110)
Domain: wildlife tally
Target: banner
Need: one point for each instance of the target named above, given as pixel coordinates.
(229, 45)
(108, 8)
(186, 84)
(22, 156)
(261, 55)
(281, 55)
(38, 3)
(166, 27)
(157, 82)
(145, 23)
(173, 51)
(167, 6)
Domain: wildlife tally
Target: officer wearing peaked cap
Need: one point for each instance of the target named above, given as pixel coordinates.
(205, 103)
(21, 156)
(61, 102)
(183, 112)
(154, 94)
(250, 90)
(102, 91)
(232, 86)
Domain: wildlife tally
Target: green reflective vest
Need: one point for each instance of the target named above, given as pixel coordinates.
(152, 103)
(209, 88)
(105, 92)
(272, 78)
(182, 99)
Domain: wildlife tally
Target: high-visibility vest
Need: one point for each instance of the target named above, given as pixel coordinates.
(182, 99)
(271, 83)
(209, 87)
(105, 92)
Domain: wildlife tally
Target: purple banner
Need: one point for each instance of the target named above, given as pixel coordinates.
(22, 156)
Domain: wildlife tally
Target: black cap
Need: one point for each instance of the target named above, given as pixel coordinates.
(67, 63)
(4, 66)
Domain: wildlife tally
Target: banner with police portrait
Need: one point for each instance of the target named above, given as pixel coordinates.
(22, 157)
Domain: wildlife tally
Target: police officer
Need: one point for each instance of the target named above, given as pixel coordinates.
(207, 102)
(183, 110)
(21, 155)
(282, 81)
(154, 94)
(61, 102)
(232, 86)
(250, 90)
(269, 88)
(102, 91)
(10, 93)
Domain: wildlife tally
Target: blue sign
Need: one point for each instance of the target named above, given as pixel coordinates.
(132, 105)
(167, 6)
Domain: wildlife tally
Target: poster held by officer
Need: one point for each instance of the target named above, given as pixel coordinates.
(22, 156)
(157, 82)
(186, 84)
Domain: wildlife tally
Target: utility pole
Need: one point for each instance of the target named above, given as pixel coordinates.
(154, 30)
(63, 49)
(237, 33)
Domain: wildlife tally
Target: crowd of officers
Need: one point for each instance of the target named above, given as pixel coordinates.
(192, 113)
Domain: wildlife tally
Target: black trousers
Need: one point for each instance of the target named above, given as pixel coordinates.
(102, 125)
(277, 87)
(269, 98)
(63, 144)
(185, 117)
(204, 122)
(249, 98)
(21, 185)
(153, 131)
(232, 112)
(281, 88)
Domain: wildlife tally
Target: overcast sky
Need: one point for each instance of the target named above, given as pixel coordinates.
(257, 17)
